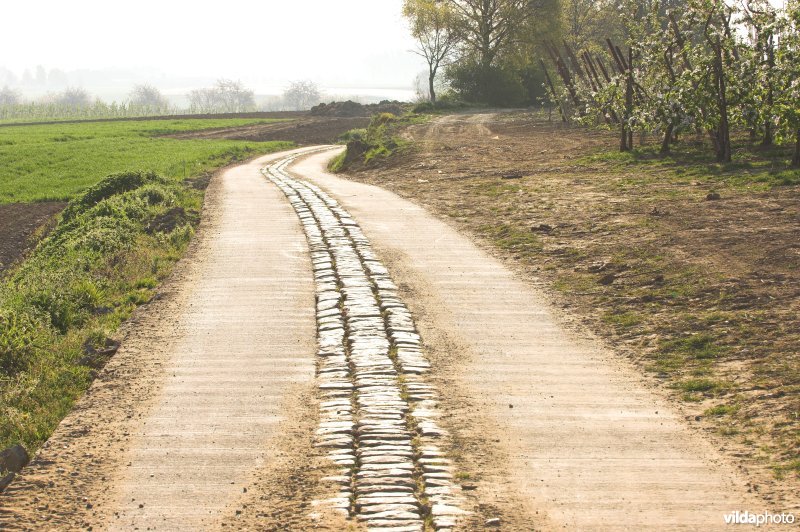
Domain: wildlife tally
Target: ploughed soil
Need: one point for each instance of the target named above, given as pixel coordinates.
(304, 131)
(18, 224)
(690, 269)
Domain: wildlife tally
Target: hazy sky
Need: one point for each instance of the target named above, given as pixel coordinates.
(336, 43)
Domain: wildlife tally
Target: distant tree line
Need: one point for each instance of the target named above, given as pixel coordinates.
(225, 96)
(77, 103)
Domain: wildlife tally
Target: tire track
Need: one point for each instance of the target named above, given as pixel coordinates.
(378, 416)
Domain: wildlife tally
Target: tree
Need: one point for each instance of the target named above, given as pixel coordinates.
(9, 97)
(489, 26)
(74, 97)
(788, 87)
(758, 65)
(148, 99)
(433, 25)
(500, 42)
(587, 23)
(57, 79)
(227, 96)
(302, 95)
(235, 97)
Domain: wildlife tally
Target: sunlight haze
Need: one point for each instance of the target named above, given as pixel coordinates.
(351, 44)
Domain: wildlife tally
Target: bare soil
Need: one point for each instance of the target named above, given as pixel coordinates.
(702, 295)
(551, 429)
(304, 131)
(19, 223)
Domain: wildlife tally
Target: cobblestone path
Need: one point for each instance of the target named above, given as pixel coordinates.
(379, 415)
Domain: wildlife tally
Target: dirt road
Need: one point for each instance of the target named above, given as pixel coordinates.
(185, 412)
(450, 391)
(589, 446)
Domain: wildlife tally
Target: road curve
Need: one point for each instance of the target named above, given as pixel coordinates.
(590, 446)
(189, 408)
(186, 411)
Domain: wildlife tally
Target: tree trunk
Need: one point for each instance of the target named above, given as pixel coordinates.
(723, 133)
(767, 141)
(667, 139)
(796, 158)
(768, 134)
(623, 138)
(626, 139)
(431, 78)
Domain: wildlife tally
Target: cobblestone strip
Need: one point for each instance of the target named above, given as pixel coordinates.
(378, 417)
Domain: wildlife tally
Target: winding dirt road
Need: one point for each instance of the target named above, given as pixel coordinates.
(451, 393)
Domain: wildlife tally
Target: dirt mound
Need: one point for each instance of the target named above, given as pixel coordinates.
(303, 132)
(351, 109)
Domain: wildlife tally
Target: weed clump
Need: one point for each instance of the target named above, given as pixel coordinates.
(364, 146)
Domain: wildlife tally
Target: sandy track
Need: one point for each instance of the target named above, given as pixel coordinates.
(589, 447)
(187, 410)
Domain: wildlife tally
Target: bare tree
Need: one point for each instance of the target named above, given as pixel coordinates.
(489, 26)
(234, 96)
(9, 96)
(227, 96)
(148, 98)
(433, 25)
(74, 97)
(302, 95)
(202, 101)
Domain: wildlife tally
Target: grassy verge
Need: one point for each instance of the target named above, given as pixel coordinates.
(56, 161)
(379, 141)
(110, 248)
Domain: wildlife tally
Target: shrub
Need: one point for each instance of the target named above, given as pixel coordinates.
(490, 85)
(442, 104)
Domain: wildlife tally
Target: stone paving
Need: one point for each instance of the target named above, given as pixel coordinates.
(378, 418)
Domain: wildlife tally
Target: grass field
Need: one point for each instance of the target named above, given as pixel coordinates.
(54, 162)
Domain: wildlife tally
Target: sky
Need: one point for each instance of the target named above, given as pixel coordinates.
(267, 43)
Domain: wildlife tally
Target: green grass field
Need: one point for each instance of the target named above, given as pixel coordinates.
(56, 161)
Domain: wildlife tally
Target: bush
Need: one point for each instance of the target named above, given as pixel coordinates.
(490, 85)
(442, 104)
(353, 134)
(366, 145)
(62, 278)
